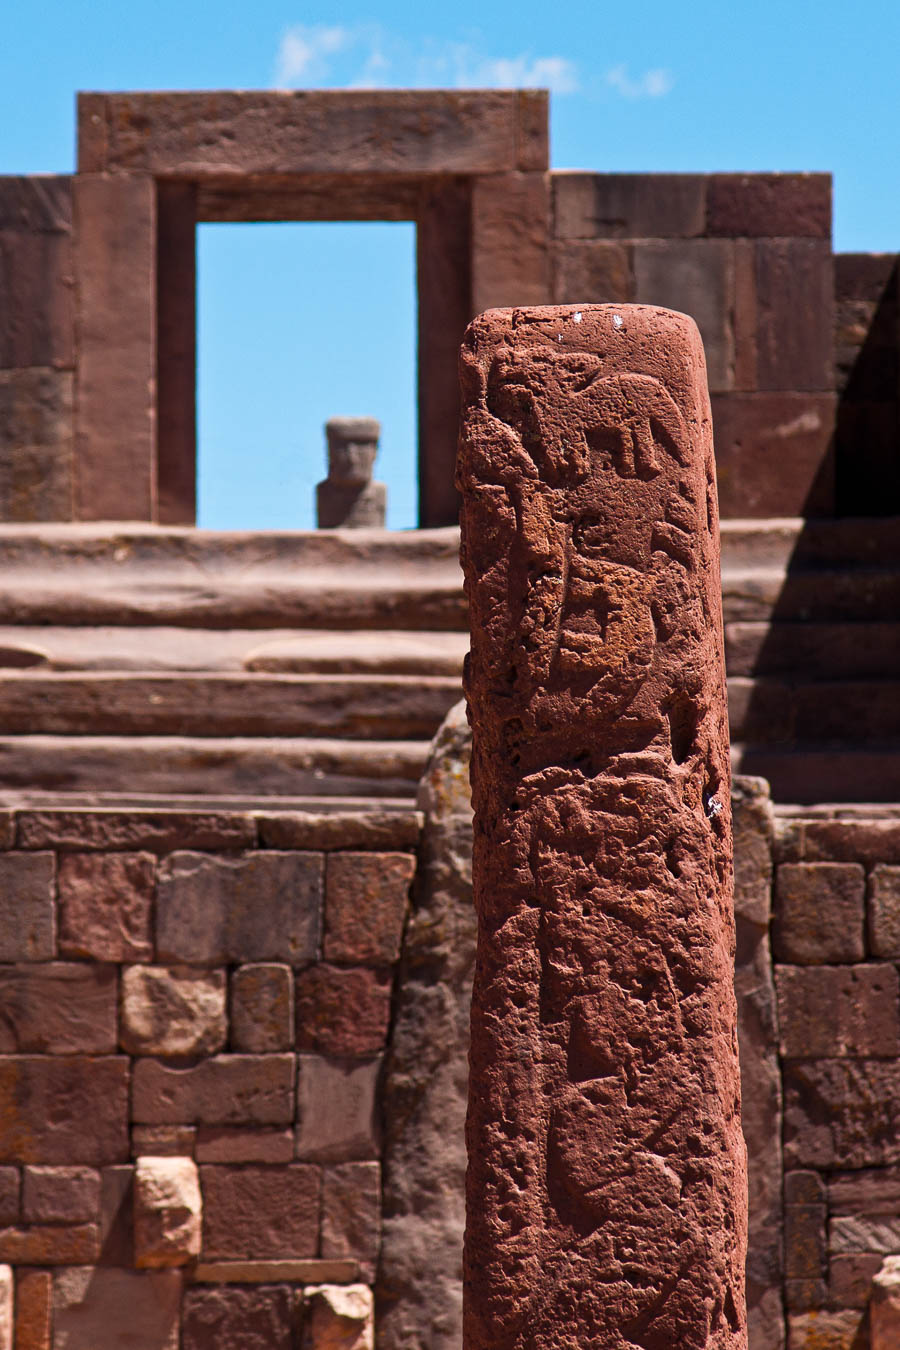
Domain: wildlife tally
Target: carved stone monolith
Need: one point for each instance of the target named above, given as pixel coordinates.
(606, 1185)
(349, 498)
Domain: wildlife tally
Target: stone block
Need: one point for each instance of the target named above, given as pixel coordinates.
(753, 830)
(366, 901)
(51, 1244)
(769, 205)
(629, 206)
(819, 913)
(794, 315)
(225, 1090)
(117, 1216)
(342, 1012)
(93, 1308)
(804, 1188)
(805, 1244)
(167, 1212)
(827, 1011)
(36, 271)
(592, 270)
(61, 1195)
(696, 277)
(336, 1116)
(884, 911)
(875, 1233)
(105, 905)
(803, 1295)
(510, 258)
(60, 1008)
(10, 1187)
(224, 1145)
(27, 910)
(850, 1278)
(102, 829)
(863, 841)
(254, 907)
(172, 1011)
(262, 1008)
(866, 1191)
(822, 1330)
(774, 453)
(351, 1214)
(338, 1317)
(231, 1318)
(841, 1113)
(6, 1308)
(163, 1141)
(66, 1110)
(259, 1213)
(36, 434)
(884, 1309)
(339, 829)
(274, 1272)
(34, 1304)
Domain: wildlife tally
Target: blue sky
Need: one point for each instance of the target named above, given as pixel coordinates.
(298, 323)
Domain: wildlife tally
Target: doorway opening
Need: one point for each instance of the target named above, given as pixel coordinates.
(296, 323)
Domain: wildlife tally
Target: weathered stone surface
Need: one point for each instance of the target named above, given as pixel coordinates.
(60, 1195)
(366, 897)
(262, 1008)
(419, 1291)
(60, 1008)
(105, 905)
(826, 1331)
(695, 276)
(351, 1214)
(841, 1113)
(257, 1213)
(6, 1308)
(826, 1011)
(255, 907)
(338, 1317)
(774, 454)
(628, 205)
(34, 1295)
(67, 1110)
(224, 1090)
(224, 1318)
(819, 913)
(884, 1309)
(36, 432)
(27, 911)
(850, 1278)
(272, 1272)
(232, 1145)
(50, 1244)
(101, 828)
(862, 1233)
(10, 1186)
(117, 1216)
(342, 1012)
(884, 911)
(163, 1141)
(604, 1072)
(336, 1117)
(769, 204)
(116, 1307)
(167, 1212)
(371, 828)
(172, 1011)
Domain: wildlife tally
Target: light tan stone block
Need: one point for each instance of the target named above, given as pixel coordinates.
(167, 1212)
(172, 1011)
(338, 1317)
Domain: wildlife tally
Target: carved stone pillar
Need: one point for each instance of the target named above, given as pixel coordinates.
(606, 1189)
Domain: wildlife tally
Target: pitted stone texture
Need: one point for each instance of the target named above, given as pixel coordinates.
(172, 1011)
(606, 1188)
(229, 1318)
(60, 1195)
(27, 911)
(167, 1212)
(366, 897)
(260, 1213)
(338, 1317)
(71, 1109)
(262, 1008)
(93, 1308)
(105, 905)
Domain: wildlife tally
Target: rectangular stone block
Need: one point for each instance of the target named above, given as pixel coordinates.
(774, 453)
(342, 1012)
(36, 327)
(769, 205)
(10, 1187)
(841, 1113)
(27, 909)
(220, 1144)
(172, 1011)
(366, 901)
(804, 1242)
(794, 315)
(510, 241)
(336, 1116)
(37, 440)
(34, 1294)
(828, 1011)
(260, 1213)
(67, 1110)
(115, 270)
(239, 1319)
(103, 829)
(627, 206)
(823, 1330)
(61, 1195)
(868, 1191)
(262, 1008)
(105, 905)
(864, 1233)
(313, 131)
(225, 1090)
(695, 277)
(167, 1210)
(592, 271)
(93, 1308)
(819, 913)
(883, 911)
(863, 841)
(51, 1245)
(254, 907)
(339, 829)
(6, 1308)
(61, 1008)
(850, 1278)
(163, 1141)
(351, 1214)
(269, 1272)
(117, 1216)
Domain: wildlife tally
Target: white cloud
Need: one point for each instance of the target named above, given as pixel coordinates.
(368, 57)
(652, 84)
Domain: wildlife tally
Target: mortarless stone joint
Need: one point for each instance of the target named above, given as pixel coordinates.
(348, 498)
(606, 1187)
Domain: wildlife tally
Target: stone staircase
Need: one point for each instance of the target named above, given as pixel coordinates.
(146, 663)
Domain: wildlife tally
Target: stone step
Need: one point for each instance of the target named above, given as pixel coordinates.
(814, 651)
(822, 596)
(807, 774)
(780, 544)
(362, 707)
(769, 711)
(178, 766)
(297, 651)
